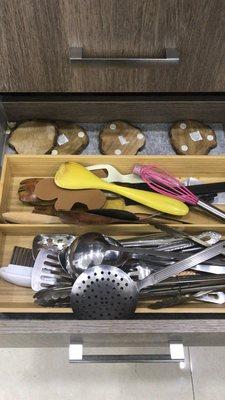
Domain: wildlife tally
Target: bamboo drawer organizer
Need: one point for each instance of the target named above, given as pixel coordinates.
(17, 167)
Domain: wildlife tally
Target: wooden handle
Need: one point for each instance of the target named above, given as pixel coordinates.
(25, 217)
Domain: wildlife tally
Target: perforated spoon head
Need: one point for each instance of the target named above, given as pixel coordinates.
(104, 292)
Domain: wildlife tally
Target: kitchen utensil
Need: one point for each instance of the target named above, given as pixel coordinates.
(26, 192)
(214, 297)
(126, 215)
(149, 240)
(60, 242)
(208, 296)
(174, 291)
(17, 274)
(106, 292)
(93, 248)
(22, 256)
(207, 190)
(72, 138)
(189, 137)
(113, 175)
(51, 242)
(26, 217)
(33, 137)
(166, 184)
(46, 189)
(119, 138)
(179, 234)
(20, 268)
(47, 271)
(210, 269)
(116, 204)
(71, 175)
(55, 296)
(178, 300)
(210, 197)
(208, 238)
(201, 190)
(97, 218)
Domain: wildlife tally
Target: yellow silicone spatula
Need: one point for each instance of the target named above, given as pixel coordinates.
(71, 175)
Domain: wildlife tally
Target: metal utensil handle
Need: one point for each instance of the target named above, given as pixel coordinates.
(172, 57)
(182, 265)
(211, 209)
(179, 234)
(140, 251)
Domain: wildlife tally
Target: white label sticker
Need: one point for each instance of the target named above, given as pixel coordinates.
(62, 139)
(122, 140)
(196, 136)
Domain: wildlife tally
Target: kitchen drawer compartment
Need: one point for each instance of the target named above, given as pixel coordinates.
(15, 299)
(18, 167)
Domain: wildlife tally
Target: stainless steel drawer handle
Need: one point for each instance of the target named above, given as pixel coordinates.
(171, 57)
(176, 355)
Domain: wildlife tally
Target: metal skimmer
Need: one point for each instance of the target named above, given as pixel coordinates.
(105, 292)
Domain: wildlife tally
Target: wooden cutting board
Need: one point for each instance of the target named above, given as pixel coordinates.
(33, 137)
(119, 138)
(72, 139)
(189, 137)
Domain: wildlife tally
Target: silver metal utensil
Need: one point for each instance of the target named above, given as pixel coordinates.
(179, 234)
(214, 297)
(210, 269)
(47, 271)
(208, 296)
(93, 248)
(52, 242)
(209, 238)
(55, 296)
(106, 292)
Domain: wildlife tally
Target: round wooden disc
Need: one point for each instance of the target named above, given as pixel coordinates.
(120, 138)
(33, 137)
(192, 137)
(72, 139)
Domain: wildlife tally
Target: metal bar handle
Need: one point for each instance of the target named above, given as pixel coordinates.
(176, 355)
(171, 57)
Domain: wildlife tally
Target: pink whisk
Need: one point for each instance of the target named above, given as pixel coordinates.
(162, 182)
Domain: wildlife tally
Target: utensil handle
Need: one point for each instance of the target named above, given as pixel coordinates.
(211, 209)
(171, 57)
(182, 265)
(153, 200)
(116, 176)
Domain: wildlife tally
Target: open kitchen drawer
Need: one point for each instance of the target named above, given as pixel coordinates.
(22, 323)
(16, 303)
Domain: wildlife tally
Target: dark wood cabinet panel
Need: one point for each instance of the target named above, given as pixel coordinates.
(35, 37)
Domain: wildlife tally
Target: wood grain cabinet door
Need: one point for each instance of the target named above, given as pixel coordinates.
(36, 35)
